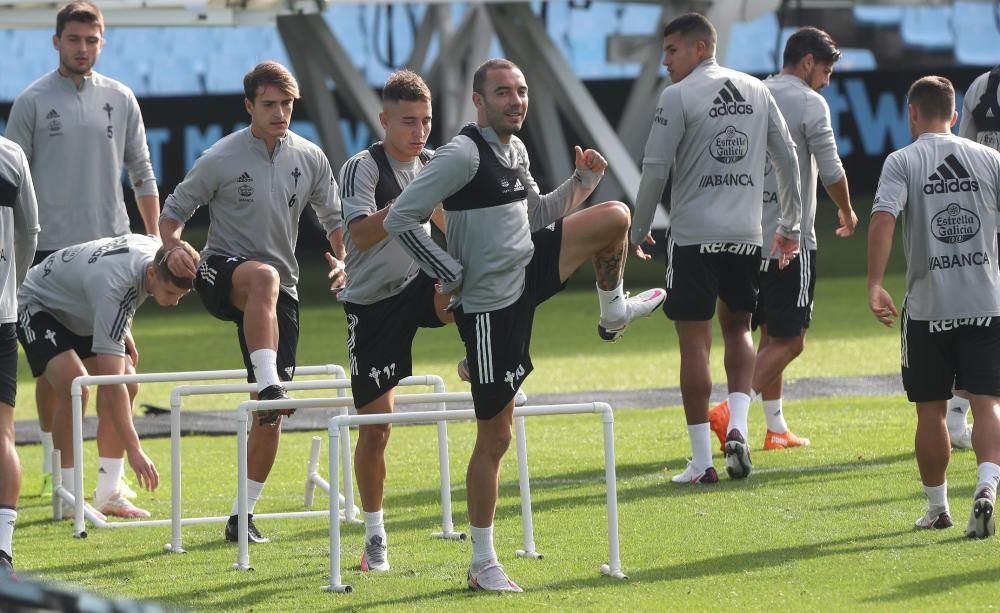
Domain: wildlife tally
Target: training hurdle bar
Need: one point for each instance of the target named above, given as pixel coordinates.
(76, 497)
(312, 478)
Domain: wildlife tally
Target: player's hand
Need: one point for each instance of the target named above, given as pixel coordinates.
(182, 260)
(848, 223)
(785, 248)
(337, 274)
(130, 349)
(463, 370)
(880, 302)
(637, 250)
(145, 470)
(590, 160)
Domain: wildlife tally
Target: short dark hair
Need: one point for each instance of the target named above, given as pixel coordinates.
(813, 41)
(692, 25)
(934, 96)
(479, 78)
(164, 273)
(405, 85)
(81, 11)
(269, 73)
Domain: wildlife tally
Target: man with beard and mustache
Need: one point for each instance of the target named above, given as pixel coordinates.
(510, 248)
(77, 128)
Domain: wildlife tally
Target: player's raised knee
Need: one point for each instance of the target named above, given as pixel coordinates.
(616, 216)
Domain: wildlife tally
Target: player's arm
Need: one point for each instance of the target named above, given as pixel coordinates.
(197, 189)
(822, 144)
(140, 168)
(786, 165)
(113, 404)
(967, 125)
(890, 200)
(21, 125)
(543, 209)
(452, 166)
(661, 151)
(25, 223)
(363, 220)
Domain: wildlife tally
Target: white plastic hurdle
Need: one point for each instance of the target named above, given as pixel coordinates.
(612, 568)
(76, 497)
(313, 479)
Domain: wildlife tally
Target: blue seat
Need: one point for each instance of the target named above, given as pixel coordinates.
(979, 43)
(856, 59)
(881, 16)
(752, 45)
(927, 27)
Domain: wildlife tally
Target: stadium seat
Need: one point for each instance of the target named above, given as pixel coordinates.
(856, 59)
(174, 76)
(927, 27)
(881, 16)
(752, 45)
(979, 44)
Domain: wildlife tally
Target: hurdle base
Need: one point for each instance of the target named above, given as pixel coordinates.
(243, 567)
(534, 555)
(614, 574)
(449, 536)
(80, 535)
(171, 549)
(342, 588)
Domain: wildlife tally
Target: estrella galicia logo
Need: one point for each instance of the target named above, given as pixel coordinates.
(729, 101)
(67, 254)
(955, 224)
(245, 183)
(729, 146)
(950, 177)
(768, 165)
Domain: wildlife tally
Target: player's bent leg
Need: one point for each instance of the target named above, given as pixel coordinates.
(255, 293)
(493, 438)
(933, 454)
(59, 373)
(369, 468)
(10, 485)
(739, 359)
(45, 405)
(695, 342)
(599, 233)
(262, 449)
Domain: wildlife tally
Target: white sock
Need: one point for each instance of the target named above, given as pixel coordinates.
(989, 474)
(774, 416)
(254, 488)
(109, 476)
(46, 452)
(482, 545)
(265, 368)
(68, 475)
(958, 411)
(937, 497)
(701, 445)
(8, 517)
(374, 525)
(612, 304)
(739, 411)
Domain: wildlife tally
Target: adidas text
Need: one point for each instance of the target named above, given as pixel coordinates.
(951, 186)
(731, 108)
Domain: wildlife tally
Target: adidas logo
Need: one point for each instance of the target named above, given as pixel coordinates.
(518, 185)
(950, 177)
(729, 101)
(52, 115)
(245, 178)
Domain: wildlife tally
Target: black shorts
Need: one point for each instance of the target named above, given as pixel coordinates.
(41, 255)
(698, 275)
(380, 337)
(785, 302)
(214, 283)
(938, 356)
(43, 338)
(8, 363)
(497, 342)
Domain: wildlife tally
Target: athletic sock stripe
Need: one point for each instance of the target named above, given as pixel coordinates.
(424, 254)
(955, 165)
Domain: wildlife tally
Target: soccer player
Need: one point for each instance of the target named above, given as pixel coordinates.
(785, 304)
(256, 182)
(387, 297)
(980, 122)
(509, 249)
(18, 236)
(712, 131)
(75, 318)
(948, 190)
(78, 128)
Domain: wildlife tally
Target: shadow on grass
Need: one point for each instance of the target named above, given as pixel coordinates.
(931, 586)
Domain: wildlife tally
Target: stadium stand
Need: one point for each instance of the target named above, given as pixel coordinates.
(927, 27)
(979, 23)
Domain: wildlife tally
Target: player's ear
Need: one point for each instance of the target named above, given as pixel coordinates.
(249, 106)
(477, 100)
(954, 118)
(382, 119)
(55, 41)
